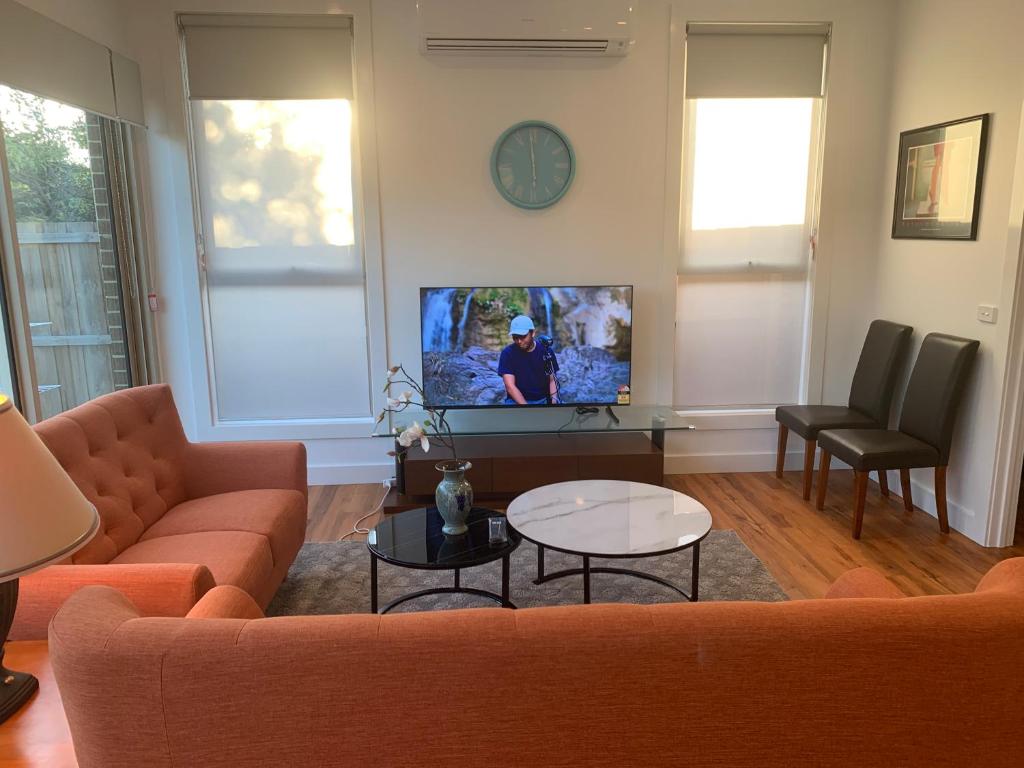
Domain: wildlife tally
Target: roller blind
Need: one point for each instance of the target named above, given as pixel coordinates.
(40, 56)
(755, 61)
(268, 57)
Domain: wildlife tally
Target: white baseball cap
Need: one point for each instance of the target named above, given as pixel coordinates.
(521, 325)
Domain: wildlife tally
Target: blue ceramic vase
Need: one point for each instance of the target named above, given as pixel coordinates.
(454, 496)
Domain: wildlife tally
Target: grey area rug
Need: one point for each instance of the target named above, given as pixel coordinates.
(334, 577)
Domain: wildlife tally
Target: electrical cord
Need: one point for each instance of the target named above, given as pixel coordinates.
(366, 531)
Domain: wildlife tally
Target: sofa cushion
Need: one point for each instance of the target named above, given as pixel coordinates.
(123, 452)
(239, 558)
(278, 515)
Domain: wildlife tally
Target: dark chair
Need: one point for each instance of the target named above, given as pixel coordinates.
(881, 359)
(925, 433)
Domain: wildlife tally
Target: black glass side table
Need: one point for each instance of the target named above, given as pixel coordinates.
(414, 539)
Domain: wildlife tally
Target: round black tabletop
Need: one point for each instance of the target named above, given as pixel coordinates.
(414, 539)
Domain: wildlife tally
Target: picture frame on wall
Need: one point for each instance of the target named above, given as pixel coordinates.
(938, 180)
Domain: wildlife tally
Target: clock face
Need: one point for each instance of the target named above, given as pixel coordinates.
(533, 164)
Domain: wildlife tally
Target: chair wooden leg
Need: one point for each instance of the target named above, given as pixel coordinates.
(860, 490)
(940, 498)
(823, 467)
(883, 482)
(780, 455)
(908, 498)
(809, 449)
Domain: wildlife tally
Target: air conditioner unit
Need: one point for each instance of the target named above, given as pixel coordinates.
(527, 27)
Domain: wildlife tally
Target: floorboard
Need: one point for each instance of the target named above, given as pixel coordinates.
(806, 550)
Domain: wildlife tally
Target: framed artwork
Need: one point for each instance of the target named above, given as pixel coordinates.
(938, 180)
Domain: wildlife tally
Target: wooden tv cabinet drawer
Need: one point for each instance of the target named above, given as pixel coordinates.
(507, 465)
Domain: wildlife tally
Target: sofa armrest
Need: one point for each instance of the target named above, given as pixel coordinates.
(155, 589)
(1004, 576)
(863, 582)
(226, 602)
(212, 468)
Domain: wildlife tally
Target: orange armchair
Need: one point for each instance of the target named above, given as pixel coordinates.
(176, 518)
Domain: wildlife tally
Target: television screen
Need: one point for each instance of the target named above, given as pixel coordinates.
(494, 347)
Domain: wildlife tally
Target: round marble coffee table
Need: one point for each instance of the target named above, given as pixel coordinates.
(610, 519)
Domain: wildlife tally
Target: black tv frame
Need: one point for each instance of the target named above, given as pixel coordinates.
(439, 407)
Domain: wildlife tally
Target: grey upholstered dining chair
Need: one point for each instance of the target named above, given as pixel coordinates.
(925, 433)
(881, 359)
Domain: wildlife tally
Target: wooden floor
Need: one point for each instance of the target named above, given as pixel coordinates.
(804, 549)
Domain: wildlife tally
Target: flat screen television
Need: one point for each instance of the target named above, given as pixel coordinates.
(535, 346)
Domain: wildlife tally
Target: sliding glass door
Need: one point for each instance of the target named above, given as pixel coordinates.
(65, 272)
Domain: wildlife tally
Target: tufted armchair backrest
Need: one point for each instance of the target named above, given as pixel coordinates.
(123, 451)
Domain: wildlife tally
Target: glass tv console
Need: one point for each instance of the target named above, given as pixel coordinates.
(516, 449)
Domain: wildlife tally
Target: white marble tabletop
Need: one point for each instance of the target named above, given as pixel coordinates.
(609, 518)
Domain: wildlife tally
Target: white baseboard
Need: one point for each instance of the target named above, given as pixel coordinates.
(347, 474)
(699, 463)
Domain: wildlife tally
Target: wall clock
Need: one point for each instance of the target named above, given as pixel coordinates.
(533, 164)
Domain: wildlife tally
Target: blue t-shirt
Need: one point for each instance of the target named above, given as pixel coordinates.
(528, 368)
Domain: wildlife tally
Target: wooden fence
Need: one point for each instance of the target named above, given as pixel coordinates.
(75, 313)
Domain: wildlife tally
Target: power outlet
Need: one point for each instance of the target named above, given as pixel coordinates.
(987, 313)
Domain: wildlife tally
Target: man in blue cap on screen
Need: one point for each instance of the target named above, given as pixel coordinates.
(528, 368)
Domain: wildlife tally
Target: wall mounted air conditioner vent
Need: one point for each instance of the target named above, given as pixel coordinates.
(527, 27)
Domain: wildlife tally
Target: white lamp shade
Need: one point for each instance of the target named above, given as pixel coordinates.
(43, 515)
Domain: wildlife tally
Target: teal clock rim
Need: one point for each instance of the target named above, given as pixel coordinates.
(494, 164)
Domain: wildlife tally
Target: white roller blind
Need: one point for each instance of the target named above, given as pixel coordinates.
(740, 61)
(40, 56)
(268, 57)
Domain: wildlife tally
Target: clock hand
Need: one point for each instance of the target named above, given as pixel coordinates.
(533, 161)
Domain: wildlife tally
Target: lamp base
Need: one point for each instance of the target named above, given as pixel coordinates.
(15, 689)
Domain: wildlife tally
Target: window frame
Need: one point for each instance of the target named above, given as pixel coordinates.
(366, 224)
(677, 129)
(124, 213)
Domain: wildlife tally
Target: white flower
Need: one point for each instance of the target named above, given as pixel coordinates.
(412, 434)
(402, 399)
(392, 371)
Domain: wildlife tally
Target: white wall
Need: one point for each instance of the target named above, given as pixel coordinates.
(445, 224)
(442, 221)
(955, 59)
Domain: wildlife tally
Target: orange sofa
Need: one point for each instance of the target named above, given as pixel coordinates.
(865, 680)
(176, 518)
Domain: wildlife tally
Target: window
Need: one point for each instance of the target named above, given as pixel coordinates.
(69, 270)
(71, 327)
(750, 168)
(282, 266)
(284, 278)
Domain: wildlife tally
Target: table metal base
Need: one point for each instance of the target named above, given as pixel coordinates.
(457, 589)
(586, 570)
